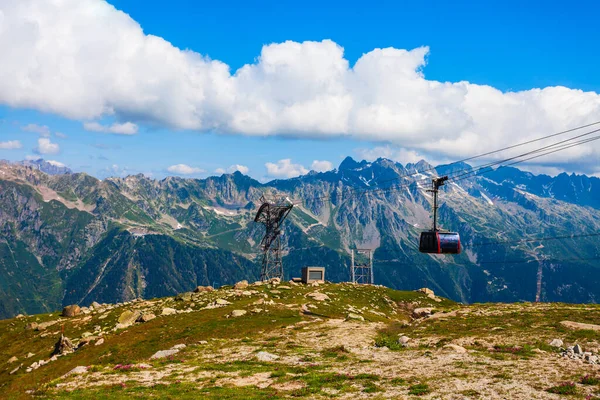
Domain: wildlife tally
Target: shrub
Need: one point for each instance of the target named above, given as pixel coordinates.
(564, 388)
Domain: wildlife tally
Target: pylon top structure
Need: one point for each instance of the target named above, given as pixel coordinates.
(272, 216)
(362, 271)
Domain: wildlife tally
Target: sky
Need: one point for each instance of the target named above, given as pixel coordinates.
(274, 90)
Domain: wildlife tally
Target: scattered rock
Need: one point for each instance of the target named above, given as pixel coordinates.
(30, 354)
(222, 302)
(15, 370)
(556, 343)
(577, 349)
(63, 346)
(285, 287)
(99, 342)
(71, 311)
(355, 317)
(241, 285)
(275, 281)
(427, 291)
(146, 317)
(318, 296)
(422, 312)
(238, 313)
(204, 289)
(454, 348)
(96, 305)
(86, 334)
(168, 311)
(179, 346)
(12, 360)
(164, 353)
(265, 356)
(274, 291)
(203, 342)
(257, 310)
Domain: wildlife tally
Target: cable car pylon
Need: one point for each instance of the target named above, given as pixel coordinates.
(437, 241)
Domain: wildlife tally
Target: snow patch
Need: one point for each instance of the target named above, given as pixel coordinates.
(487, 199)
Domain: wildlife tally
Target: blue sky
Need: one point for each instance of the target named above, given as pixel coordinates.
(511, 46)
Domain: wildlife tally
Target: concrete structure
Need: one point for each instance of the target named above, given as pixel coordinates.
(313, 274)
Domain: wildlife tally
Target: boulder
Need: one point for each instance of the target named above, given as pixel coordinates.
(99, 342)
(318, 296)
(454, 348)
(241, 285)
(146, 317)
(71, 311)
(403, 340)
(187, 296)
(31, 326)
(168, 311)
(204, 289)
(127, 318)
(274, 281)
(63, 346)
(77, 371)
(12, 360)
(238, 313)
(164, 354)
(580, 325)
(265, 356)
(355, 317)
(556, 343)
(422, 312)
(222, 302)
(96, 305)
(427, 291)
(577, 349)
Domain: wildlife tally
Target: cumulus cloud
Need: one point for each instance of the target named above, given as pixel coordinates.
(10, 145)
(220, 171)
(45, 146)
(42, 130)
(321, 166)
(285, 169)
(295, 89)
(184, 169)
(127, 128)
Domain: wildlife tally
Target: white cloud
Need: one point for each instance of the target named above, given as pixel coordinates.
(60, 135)
(295, 89)
(45, 146)
(220, 171)
(10, 145)
(321, 166)
(236, 167)
(398, 154)
(285, 169)
(56, 163)
(42, 130)
(127, 128)
(183, 169)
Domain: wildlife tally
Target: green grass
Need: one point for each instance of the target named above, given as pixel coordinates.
(419, 389)
(567, 388)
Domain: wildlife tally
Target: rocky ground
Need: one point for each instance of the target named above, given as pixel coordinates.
(288, 340)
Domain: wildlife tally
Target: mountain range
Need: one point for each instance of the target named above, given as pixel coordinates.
(69, 238)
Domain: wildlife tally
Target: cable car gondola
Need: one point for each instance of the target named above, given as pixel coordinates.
(436, 241)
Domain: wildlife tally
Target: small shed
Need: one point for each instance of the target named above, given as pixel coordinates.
(313, 274)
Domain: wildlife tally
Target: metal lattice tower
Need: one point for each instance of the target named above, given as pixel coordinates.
(272, 216)
(362, 272)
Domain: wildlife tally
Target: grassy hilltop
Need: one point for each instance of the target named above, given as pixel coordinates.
(302, 341)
